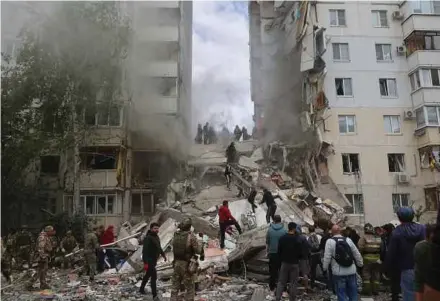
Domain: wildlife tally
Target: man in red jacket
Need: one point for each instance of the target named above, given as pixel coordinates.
(226, 219)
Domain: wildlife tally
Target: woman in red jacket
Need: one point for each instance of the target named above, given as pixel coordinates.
(107, 238)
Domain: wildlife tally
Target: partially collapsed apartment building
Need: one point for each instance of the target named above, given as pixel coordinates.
(362, 79)
(133, 147)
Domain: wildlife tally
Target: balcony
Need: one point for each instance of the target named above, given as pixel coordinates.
(424, 58)
(105, 136)
(420, 23)
(162, 69)
(426, 96)
(428, 136)
(98, 179)
(159, 33)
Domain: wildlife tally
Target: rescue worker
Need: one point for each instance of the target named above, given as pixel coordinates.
(237, 133)
(185, 248)
(24, 242)
(199, 136)
(206, 133)
(226, 220)
(231, 153)
(44, 249)
(369, 247)
(91, 247)
(245, 134)
(68, 244)
(270, 203)
(212, 135)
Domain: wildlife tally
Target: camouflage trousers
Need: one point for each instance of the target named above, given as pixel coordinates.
(43, 266)
(91, 263)
(181, 276)
(6, 264)
(370, 277)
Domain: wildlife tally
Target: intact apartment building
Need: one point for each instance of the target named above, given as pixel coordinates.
(365, 80)
(129, 154)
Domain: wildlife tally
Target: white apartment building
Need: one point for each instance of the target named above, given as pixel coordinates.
(127, 159)
(370, 95)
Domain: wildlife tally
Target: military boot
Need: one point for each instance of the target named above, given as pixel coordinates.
(367, 288)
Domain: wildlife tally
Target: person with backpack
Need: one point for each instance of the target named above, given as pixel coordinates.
(274, 233)
(315, 254)
(343, 256)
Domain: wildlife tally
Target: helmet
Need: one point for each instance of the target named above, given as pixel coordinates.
(368, 228)
(405, 214)
(186, 224)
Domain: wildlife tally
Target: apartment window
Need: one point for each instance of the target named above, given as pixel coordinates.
(99, 157)
(101, 204)
(430, 157)
(392, 124)
(422, 40)
(347, 124)
(414, 79)
(388, 87)
(341, 52)
(344, 86)
(350, 163)
(379, 18)
(383, 52)
(337, 17)
(432, 197)
(357, 204)
(430, 77)
(400, 200)
(396, 162)
(50, 164)
(428, 116)
(105, 115)
(142, 203)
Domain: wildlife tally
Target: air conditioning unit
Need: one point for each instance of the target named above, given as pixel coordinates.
(401, 50)
(397, 15)
(402, 178)
(408, 115)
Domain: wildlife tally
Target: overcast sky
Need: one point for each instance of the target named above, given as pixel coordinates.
(221, 80)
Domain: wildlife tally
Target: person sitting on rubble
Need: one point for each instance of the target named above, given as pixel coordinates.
(269, 199)
(68, 244)
(228, 176)
(199, 136)
(231, 153)
(226, 219)
(251, 198)
(150, 253)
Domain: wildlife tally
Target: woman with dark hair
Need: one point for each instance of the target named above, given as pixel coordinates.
(427, 266)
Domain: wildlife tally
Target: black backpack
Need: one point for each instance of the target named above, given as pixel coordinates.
(343, 254)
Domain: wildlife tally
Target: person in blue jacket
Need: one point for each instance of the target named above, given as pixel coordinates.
(274, 233)
(400, 253)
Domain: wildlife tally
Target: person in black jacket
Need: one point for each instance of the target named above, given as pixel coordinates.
(150, 253)
(270, 203)
(251, 199)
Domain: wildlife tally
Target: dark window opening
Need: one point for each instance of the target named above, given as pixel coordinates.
(396, 162)
(50, 164)
(99, 157)
(136, 203)
(432, 197)
(148, 168)
(350, 163)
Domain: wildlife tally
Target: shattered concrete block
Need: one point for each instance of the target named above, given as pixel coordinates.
(199, 224)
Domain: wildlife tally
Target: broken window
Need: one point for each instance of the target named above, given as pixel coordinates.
(383, 52)
(341, 52)
(396, 162)
(347, 124)
(147, 168)
(391, 124)
(142, 203)
(320, 44)
(430, 157)
(344, 86)
(50, 164)
(357, 204)
(337, 17)
(379, 18)
(350, 163)
(103, 115)
(99, 157)
(101, 204)
(432, 196)
(388, 87)
(400, 200)
(165, 86)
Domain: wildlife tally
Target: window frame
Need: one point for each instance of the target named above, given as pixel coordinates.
(344, 80)
(340, 52)
(403, 163)
(399, 200)
(350, 163)
(99, 112)
(117, 205)
(425, 122)
(142, 211)
(377, 12)
(422, 78)
(387, 87)
(383, 53)
(352, 198)
(336, 11)
(346, 124)
(391, 124)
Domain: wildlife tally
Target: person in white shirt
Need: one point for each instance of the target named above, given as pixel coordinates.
(343, 257)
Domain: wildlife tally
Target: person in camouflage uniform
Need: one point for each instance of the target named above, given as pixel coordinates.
(369, 247)
(185, 247)
(91, 247)
(68, 244)
(44, 249)
(24, 243)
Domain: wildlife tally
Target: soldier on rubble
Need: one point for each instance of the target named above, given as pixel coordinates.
(199, 136)
(44, 249)
(185, 248)
(206, 133)
(24, 242)
(68, 244)
(237, 133)
(369, 247)
(91, 247)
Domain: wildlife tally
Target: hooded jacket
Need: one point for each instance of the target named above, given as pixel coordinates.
(273, 236)
(401, 246)
(107, 237)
